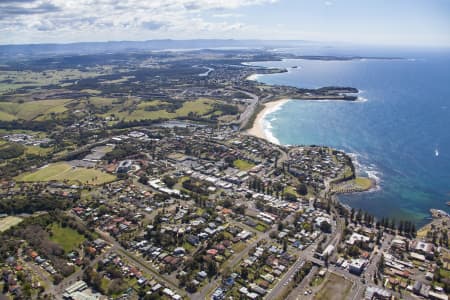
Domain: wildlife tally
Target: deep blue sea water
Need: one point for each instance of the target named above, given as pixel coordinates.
(400, 134)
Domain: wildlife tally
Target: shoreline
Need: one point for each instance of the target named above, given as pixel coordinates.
(258, 129)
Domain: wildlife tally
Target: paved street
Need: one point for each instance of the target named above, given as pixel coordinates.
(207, 289)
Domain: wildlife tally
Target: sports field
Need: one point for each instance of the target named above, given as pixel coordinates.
(65, 172)
(8, 222)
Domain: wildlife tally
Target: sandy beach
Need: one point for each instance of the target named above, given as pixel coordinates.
(253, 77)
(258, 129)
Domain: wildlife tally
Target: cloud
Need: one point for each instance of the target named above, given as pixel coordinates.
(151, 25)
(16, 1)
(227, 15)
(328, 3)
(122, 19)
(16, 8)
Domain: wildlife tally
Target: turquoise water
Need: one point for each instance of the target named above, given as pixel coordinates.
(400, 134)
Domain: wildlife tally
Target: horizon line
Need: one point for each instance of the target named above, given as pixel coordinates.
(427, 46)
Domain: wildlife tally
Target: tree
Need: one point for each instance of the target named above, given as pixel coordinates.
(290, 197)
(227, 203)
(437, 275)
(381, 264)
(400, 227)
(319, 248)
(226, 272)
(359, 215)
(353, 251)
(212, 268)
(302, 189)
(183, 280)
(116, 286)
(27, 290)
(87, 274)
(413, 230)
(325, 227)
(57, 279)
(143, 179)
(240, 209)
(190, 287)
(392, 224)
(259, 205)
(273, 234)
(169, 181)
(114, 272)
(244, 273)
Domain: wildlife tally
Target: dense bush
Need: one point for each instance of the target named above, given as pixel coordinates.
(11, 150)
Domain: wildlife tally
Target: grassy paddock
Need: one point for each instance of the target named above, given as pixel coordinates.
(200, 107)
(36, 150)
(22, 79)
(65, 172)
(261, 227)
(68, 238)
(363, 183)
(335, 287)
(30, 110)
(243, 165)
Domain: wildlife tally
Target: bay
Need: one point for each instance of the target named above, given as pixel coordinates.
(399, 132)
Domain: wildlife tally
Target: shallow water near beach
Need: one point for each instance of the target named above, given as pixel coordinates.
(399, 134)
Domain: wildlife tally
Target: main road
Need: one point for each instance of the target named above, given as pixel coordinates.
(246, 115)
(306, 255)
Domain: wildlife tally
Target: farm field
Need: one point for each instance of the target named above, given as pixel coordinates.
(200, 107)
(65, 172)
(10, 111)
(13, 80)
(131, 109)
(36, 150)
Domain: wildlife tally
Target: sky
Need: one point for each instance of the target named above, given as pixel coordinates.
(380, 22)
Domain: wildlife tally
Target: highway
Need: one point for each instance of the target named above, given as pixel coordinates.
(245, 116)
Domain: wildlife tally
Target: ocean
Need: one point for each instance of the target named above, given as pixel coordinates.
(398, 133)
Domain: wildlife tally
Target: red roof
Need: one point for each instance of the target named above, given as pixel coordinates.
(212, 252)
(226, 211)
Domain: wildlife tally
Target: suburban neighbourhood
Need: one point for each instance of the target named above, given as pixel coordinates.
(134, 176)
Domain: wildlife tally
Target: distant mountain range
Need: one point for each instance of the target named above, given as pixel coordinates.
(151, 45)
